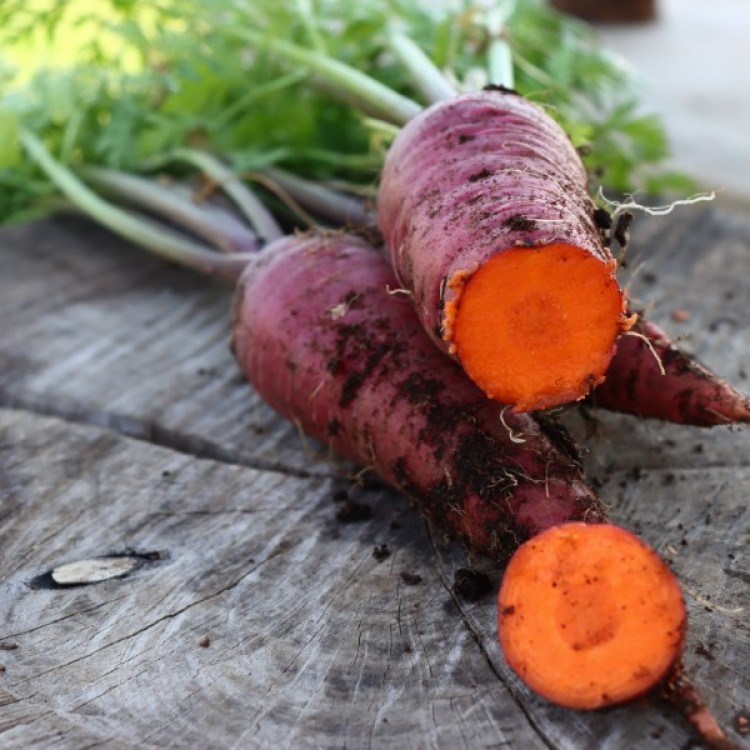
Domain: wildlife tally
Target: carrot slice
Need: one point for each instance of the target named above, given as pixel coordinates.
(536, 327)
(589, 615)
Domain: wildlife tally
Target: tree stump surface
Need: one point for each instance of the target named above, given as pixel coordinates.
(252, 617)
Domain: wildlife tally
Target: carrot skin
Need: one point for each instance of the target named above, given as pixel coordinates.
(466, 182)
(686, 392)
(323, 342)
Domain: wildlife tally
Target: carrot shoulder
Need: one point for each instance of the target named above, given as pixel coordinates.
(484, 205)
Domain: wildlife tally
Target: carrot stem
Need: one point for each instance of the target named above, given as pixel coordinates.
(365, 92)
(499, 55)
(229, 182)
(159, 240)
(342, 209)
(226, 233)
(426, 77)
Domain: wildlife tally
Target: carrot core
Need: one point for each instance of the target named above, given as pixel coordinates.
(536, 327)
(589, 615)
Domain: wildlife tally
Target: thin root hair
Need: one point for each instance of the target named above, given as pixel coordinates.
(514, 438)
(632, 205)
(650, 346)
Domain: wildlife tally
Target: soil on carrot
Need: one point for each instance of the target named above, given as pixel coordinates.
(519, 223)
(483, 174)
(602, 218)
(477, 465)
(621, 231)
(356, 338)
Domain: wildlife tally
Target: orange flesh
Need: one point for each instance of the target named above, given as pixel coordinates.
(536, 327)
(589, 615)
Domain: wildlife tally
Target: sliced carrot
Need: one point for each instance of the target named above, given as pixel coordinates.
(536, 327)
(589, 615)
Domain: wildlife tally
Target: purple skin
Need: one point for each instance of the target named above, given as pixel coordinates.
(320, 338)
(474, 176)
(686, 393)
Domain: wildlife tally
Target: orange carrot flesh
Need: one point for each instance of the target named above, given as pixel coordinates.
(536, 327)
(589, 615)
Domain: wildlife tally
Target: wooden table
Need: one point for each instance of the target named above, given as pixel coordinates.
(255, 618)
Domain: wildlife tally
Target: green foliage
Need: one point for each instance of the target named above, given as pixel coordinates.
(149, 77)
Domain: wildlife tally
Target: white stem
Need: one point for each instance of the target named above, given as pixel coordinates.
(426, 77)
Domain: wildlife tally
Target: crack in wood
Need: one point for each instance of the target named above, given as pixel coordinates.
(163, 618)
(676, 470)
(62, 619)
(532, 723)
(152, 433)
(108, 690)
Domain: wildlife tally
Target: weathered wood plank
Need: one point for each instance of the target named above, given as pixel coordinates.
(313, 643)
(97, 331)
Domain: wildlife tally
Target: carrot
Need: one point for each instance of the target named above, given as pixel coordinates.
(590, 616)
(320, 338)
(483, 204)
(652, 377)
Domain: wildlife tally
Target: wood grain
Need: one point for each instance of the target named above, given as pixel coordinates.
(262, 621)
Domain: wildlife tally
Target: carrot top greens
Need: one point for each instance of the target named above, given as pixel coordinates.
(132, 81)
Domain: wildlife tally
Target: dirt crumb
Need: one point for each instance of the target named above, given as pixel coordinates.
(411, 579)
(381, 552)
(353, 512)
(742, 724)
(470, 584)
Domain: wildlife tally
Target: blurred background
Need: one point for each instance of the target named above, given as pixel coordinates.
(694, 58)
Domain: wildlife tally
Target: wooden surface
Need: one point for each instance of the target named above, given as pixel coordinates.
(255, 619)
